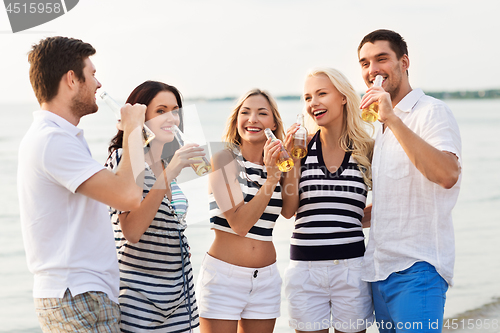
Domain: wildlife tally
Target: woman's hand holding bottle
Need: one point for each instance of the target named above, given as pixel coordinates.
(284, 161)
(290, 140)
(272, 150)
(181, 159)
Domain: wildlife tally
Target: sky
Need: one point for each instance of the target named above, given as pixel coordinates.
(225, 48)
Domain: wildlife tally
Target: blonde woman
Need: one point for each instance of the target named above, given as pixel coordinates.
(239, 286)
(322, 283)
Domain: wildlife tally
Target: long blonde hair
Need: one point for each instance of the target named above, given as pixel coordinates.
(354, 136)
(231, 134)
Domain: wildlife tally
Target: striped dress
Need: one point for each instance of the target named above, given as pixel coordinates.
(251, 177)
(156, 277)
(328, 222)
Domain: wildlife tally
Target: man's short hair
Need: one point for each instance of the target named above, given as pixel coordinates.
(396, 42)
(53, 57)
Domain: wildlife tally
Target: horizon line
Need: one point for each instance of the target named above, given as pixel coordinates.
(441, 94)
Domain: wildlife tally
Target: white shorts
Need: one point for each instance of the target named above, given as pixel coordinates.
(230, 292)
(330, 293)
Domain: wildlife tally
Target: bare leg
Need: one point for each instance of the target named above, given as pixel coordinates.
(256, 325)
(218, 326)
(325, 331)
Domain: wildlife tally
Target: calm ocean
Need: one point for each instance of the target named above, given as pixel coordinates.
(473, 304)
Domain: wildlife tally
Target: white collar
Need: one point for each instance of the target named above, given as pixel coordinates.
(57, 120)
(409, 101)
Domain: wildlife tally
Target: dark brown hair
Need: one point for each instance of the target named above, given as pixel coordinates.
(396, 42)
(53, 57)
(144, 94)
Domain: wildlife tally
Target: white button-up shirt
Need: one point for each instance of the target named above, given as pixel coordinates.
(411, 216)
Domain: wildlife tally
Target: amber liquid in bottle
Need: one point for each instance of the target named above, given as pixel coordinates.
(284, 161)
(201, 165)
(201, 168)
(299, 149)
(370, 113)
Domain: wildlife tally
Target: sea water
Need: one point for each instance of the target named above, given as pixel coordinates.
(472, 302)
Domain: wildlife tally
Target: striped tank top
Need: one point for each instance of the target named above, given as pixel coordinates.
(328, 220)
(251, 177)
(156, 276)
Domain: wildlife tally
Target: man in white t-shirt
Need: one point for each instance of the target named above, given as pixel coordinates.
(63, 193)
(416, 179)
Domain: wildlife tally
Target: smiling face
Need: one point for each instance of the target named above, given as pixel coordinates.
(254, 116)
(161, 114)
(379, 59)
(84, 101)
(324, 103)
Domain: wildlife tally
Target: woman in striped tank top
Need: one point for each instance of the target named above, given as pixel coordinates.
(323, 283)
(156, 278)
(239, 285)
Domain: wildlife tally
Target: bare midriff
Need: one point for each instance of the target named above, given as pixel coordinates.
(242, 251)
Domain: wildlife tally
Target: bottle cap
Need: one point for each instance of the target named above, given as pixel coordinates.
(378, 81)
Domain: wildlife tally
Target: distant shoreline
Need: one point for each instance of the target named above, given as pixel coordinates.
(443, 95)
(467, 94)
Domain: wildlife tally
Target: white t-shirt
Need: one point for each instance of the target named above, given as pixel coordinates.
(411, 216)
(67, 236)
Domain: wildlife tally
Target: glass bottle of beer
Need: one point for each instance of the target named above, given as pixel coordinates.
(201, 165)
(299, 149)
(147, 134)
(284, 161)
(370, 113)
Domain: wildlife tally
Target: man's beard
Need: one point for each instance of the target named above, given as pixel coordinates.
(395, 92)
(81, 108)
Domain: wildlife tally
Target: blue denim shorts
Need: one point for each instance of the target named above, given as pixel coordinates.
(410, 300)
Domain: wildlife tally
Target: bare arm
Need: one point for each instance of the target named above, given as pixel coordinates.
(440, 167)
(224, 184)
(120, 190)
(135, 222)
(367, 218)
(290, 184)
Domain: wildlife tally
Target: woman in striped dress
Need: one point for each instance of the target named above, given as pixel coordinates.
(239, 286)
(156, 277)
(323, 283)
